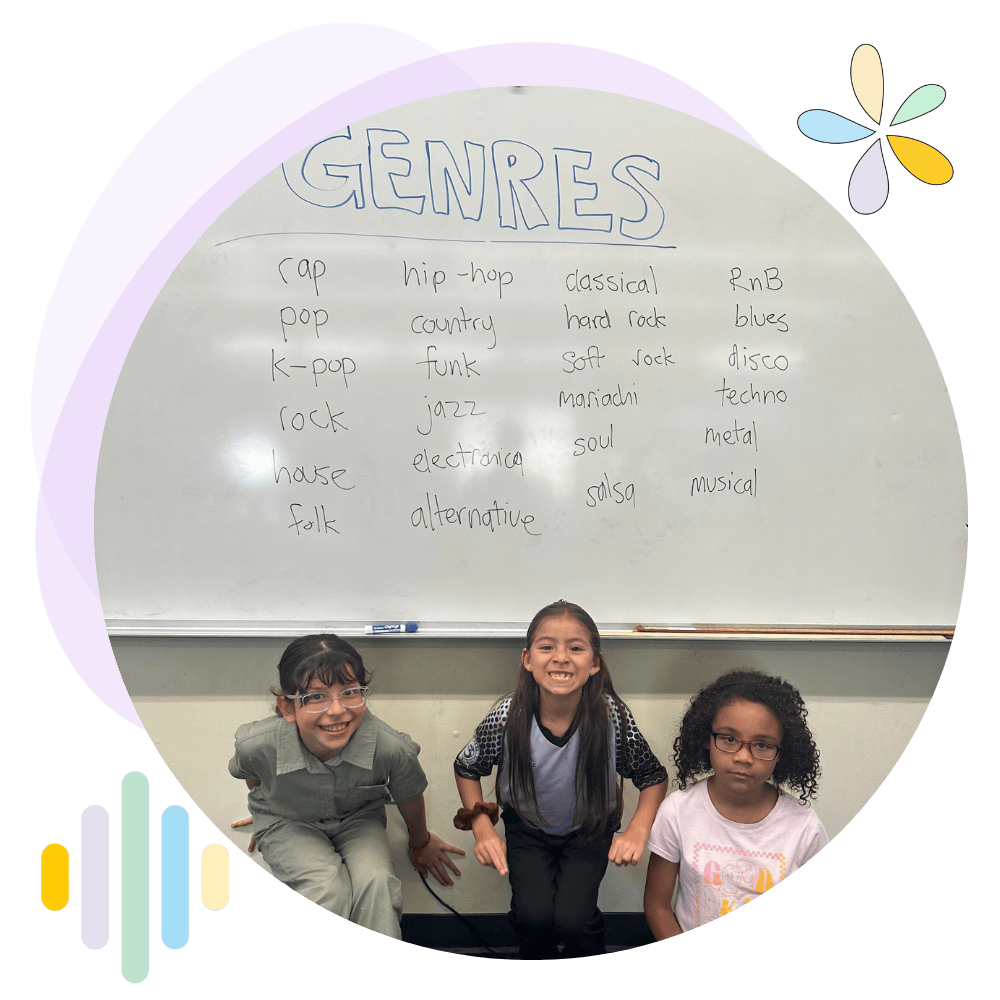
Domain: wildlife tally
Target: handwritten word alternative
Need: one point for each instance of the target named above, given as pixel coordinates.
(436, 517)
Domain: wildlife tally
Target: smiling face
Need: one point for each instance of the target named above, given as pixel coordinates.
(324, 734)
(560, 658)
(740, 774)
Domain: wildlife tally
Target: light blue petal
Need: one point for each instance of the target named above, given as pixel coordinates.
(825, 126)
(923, 99)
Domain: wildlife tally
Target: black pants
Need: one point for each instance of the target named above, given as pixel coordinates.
(554, 883)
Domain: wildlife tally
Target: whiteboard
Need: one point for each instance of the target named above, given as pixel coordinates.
(502, 347)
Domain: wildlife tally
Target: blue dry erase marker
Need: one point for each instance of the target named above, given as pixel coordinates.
(390, 627)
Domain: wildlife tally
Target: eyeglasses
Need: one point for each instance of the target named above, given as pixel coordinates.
(730, 744)
(320, 701)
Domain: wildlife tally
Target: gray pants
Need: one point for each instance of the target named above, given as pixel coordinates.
(343, 865)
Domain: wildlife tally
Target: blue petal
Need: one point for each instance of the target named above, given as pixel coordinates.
(825, 126)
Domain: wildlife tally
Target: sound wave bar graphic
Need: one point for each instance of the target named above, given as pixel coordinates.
(95, 870)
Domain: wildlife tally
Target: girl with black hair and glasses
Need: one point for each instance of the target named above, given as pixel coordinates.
(732, 836)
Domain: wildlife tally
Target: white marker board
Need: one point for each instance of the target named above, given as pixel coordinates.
(507, 346)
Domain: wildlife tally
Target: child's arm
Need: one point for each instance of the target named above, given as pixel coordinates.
(246, 821)
(661, 877)
(627, 848)
(431, 856)
(490, 849)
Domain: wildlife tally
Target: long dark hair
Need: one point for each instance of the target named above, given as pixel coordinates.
(592, 719)
(328, 657)
(798, 759)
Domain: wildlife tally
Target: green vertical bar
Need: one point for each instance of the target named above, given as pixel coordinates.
(135, 877)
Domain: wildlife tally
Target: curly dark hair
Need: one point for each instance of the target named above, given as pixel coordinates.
(798, 762)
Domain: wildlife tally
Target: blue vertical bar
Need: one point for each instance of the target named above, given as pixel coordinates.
(135, 877)
(174, 877)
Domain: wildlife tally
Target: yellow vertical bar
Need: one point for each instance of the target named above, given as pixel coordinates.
(55, 877)
(215, 876)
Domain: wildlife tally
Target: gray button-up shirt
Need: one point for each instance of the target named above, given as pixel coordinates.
(377, 763)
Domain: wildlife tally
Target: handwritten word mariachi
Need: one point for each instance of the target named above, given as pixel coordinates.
(436, 517)
(522, 187)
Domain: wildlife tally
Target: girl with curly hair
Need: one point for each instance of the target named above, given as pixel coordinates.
(560, 741)
(733, 835)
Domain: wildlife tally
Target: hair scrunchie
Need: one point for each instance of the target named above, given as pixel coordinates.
(464, 817)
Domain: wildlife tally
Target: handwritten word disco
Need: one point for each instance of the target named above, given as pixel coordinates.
(531, 188)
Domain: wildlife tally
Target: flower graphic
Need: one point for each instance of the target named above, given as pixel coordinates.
(868, 187)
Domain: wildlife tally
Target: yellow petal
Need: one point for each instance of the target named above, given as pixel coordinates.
(925, 162)
(866, 79)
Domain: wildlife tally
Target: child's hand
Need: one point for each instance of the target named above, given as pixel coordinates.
(491, 850)
(432, 858)
(627, 849)
(246, 821)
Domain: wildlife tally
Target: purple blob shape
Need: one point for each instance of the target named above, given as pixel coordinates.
(65, 530)
(868, 188)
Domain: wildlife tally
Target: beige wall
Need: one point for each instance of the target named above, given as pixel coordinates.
(864, 700)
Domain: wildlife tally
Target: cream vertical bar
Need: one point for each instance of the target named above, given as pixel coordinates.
(135, 877)
(175, 877)
(215, 877)
(94, 876)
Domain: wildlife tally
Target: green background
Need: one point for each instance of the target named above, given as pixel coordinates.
(899, 901)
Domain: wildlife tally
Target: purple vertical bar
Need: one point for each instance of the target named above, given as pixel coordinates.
(94, 877)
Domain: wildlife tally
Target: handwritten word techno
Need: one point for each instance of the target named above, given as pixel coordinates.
(524, 187)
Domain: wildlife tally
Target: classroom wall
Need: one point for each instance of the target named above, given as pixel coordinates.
(865, 699)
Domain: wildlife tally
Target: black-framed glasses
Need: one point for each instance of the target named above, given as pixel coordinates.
(320, 701)
(730, 744)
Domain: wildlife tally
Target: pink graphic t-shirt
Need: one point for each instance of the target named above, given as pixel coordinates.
(725, 864)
